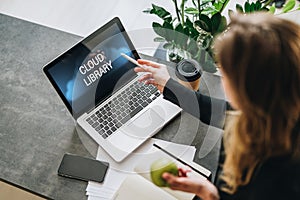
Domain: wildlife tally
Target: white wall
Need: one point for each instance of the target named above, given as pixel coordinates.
(82, 16)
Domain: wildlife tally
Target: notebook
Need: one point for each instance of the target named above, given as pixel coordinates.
(101, 90)
(137, 187)
(142, 180)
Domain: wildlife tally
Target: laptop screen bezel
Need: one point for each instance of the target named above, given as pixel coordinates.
(52, 63)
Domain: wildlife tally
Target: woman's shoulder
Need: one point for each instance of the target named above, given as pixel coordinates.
(277, 177)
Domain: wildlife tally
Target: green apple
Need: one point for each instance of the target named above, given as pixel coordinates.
(160, 166)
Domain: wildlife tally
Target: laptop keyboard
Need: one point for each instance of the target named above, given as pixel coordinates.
(122, 108)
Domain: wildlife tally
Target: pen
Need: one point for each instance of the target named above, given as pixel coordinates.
(132, 60)
(183, 162)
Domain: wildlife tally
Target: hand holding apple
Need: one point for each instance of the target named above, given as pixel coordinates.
(161, 166)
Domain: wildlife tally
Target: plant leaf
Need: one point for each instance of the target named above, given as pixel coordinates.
(258, 5)
(209, 11)
(220, 4)
(169, 31)
(192, 47)
(288, 6)
(158, 29)
(215, 22)
(239, 8)
(252, 7)
(160, 12)
(187, 32)
(223, 25)
(247, 7)
(168, 25)
(207, 41)
(264, 9)
(147, 10)
(159, 39)
(180, 36)
(204, 23)
(179, 28)
(192, 11)
(190, 29)
(168, 46)
(272, 9)
(188, 22)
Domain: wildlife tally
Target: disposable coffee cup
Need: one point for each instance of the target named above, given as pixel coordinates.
(188, 72)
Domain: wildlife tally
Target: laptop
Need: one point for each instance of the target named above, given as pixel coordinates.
(102, 92)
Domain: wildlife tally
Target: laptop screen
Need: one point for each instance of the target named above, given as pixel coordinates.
(93, 69)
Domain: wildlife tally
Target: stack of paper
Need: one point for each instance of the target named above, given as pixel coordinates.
(118, 172)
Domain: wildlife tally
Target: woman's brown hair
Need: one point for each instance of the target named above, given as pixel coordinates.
(260, 56)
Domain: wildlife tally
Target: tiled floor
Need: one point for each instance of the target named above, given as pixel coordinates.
(9, 192)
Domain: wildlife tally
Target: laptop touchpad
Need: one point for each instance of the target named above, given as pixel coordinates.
(144, 125)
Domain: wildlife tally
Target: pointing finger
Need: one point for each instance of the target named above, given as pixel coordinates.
(145, 68)
(139, 69)
(149, 63)
(145, 77)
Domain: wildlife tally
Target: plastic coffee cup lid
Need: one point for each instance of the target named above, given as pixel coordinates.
(188, 70)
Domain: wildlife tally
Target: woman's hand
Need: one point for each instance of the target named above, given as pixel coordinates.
(157, 75)
(196, 185)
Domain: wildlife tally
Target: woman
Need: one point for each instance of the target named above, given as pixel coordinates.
(259, 59)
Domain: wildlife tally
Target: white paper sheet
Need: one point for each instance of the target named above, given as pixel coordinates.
(97, 198)
(117, 172)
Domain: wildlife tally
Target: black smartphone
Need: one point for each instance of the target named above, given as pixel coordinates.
(78, 167)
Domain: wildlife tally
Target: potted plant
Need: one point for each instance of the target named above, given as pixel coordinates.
(189, 33)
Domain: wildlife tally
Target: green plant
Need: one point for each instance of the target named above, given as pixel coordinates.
(264, 5)
(192, 30)
(189, 33)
